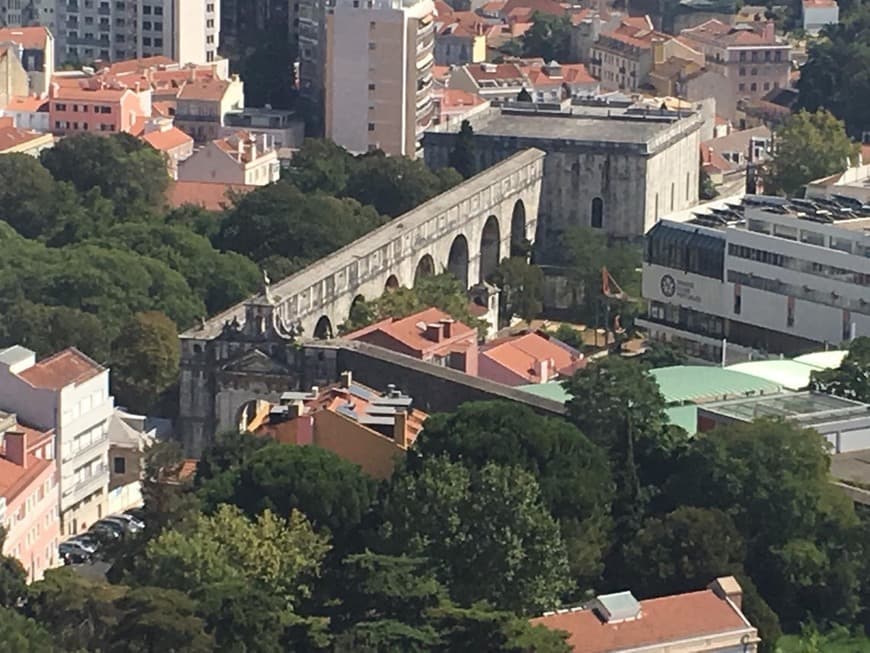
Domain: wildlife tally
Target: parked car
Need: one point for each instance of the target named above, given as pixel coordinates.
(134, 524)
(138, 513)
(128, 525)
(85, 542)
(107, 530)
(72, 554)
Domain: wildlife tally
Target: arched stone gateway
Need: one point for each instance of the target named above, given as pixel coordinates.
(457, 260)
(323, 330)
(392, 283)
(490, 244)
(519, 241)
(248, 411)
(356, 306)
(425, 268)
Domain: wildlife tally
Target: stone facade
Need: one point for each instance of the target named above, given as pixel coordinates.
(617, 172)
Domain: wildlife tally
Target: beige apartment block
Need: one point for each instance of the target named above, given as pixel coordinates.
(379, 57)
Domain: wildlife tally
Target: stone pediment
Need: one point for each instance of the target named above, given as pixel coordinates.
(257, 362)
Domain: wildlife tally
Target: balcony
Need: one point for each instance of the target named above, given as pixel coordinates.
(72, 494)
(86, 453)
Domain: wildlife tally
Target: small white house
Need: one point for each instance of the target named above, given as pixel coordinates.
(818, 13)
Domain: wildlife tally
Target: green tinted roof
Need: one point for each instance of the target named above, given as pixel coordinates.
(550, 390)
(695, 383)
(686, 417)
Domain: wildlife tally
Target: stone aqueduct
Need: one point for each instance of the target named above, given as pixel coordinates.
(465, 231)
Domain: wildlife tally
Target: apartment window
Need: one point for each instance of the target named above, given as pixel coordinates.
(371, 87)
(146, 10)
(119, 465)
(755, 56)
(158, 11)
(146, 25)
(753, 87)
(209, 22)
(789, 318)
(597, 213)
(75, 125)
(372, 46)
(119, 22)
(89, 36)
(105, 109)
(371, 126)
(777, 56)
(119, 5)
(120, 39)
(89, 20)
(72, 35)
(209, 56)
(209, 8)
(146, 40)
(75, 108)
(742, 56)
(158, 43)
(741, 87)
(158, 27)
(60, 107)
(742, 71)
(372, 25)
(754, 72)
(766, 86)
(209, 38)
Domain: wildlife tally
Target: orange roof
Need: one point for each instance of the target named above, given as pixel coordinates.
(164, 109)
(666, 619)
(543, 6)
(30, 38)
(443, 10)
(80, 93)
(523, 354)
(637, 31)
(64, 368)
(14, 478)
(820, 3)
(455, 98)
(166, 140)
(28, 103)
(204, 89)
(139, 65)
(410, 331)
(481, 72)
(210, 195)
(13, 137)
(574, 73)
(722, 34)
(440, 73)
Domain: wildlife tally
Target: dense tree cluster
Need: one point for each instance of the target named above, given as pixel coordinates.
(87, 245)
(496, 514)
(852, 378)
(548, 38)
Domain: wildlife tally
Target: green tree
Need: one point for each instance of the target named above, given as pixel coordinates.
(23, 635)
(279, 219)
(462, 155)
(321, 165)
(145, 360)
(834, 76)
(13, 577)
(277, 556)
(683, 551)
(126, 170)
(573, 473)
(394, 185)
(801, 533)
(267, 69)
(852, 378)
(331, 492)
(706, 189)
(48, 329)
(154, 620)
(659, 354)
(522, 288)
(79, 613)
(459, 518)
(808, 146)
(548, 38)
(569, 335)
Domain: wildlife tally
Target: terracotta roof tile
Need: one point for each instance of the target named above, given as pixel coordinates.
(30, 38)
(543, 6)
(140, 65)
(523, 354)
(167, 139)
(212, 196)
(13, 137)
(504, 71)
(410, 330)
(64, 368)
(208, 89)
(27, 104)
(666, 619)
(14, 478)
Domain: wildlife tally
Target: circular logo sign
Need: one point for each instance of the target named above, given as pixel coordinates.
(668, 285)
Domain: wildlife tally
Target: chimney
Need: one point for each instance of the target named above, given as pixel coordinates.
(542, 370)
(447, 324)
(434, 331)
(346, 379)
(16, 447)
(400, 429)
(727, 587)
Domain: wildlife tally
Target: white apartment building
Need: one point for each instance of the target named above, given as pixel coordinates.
(769, 275)
(67, 392)
(187, 31)
(378, 74)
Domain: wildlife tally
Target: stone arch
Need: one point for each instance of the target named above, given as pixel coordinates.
(457, 260)
(490, 245)
(323, 328)
(597, 213)
(392, 283)
(248, 411)
(425, 268)
(356, 306)
(519, 241)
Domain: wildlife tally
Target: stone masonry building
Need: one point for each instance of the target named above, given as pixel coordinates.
(609, 167)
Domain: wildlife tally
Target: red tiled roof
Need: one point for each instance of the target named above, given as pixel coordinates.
(575, 73)
(165, 109)
(410, 330)
(481, 72)
(820, 3)
(722, 34)
(443, 10)
(14, 478)
(543, 6)
(30, 38)
(64, 368)
(63, 92)
(455, 98)
(666, 619)
(204, 89)
(167, 140)
(139, 65)
(13, 137)
(210, 195)
(29, 104)
(521, 355)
